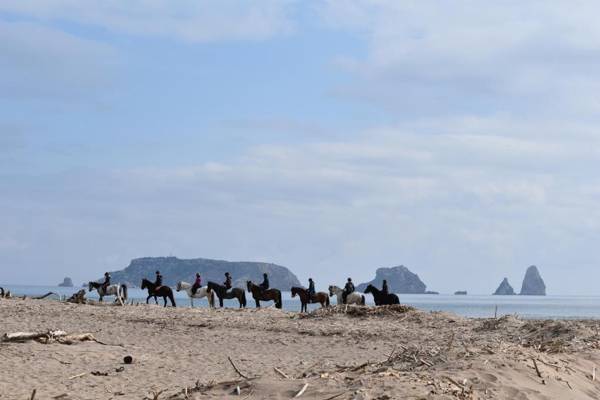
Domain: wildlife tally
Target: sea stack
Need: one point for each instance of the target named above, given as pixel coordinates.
(533, 284)
(505, 289)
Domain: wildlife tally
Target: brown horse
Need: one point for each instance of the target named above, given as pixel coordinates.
(305, 298)
(264, 295)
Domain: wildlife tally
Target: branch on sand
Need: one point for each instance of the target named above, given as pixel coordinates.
(47, 337)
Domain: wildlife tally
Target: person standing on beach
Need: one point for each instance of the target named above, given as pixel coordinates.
(349, 288)
(384, 289)
(197, 284)
(227, 282)
(311, 289)
(159, 280)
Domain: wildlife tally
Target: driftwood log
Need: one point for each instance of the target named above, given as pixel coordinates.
(61, 337)
(77, 298)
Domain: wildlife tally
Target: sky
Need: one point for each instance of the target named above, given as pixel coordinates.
(457, 138)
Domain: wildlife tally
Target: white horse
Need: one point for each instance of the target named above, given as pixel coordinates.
(113, 290)
(203, 291)
(352, 298)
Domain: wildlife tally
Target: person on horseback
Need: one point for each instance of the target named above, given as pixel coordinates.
(159, 280)
(265, 283)
(311, 289)
(227, 282)
(349, 288)
(197, 284)
(106, 282)
(384, 289)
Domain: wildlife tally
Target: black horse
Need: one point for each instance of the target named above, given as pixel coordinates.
(222, 293)
(380, 298)
(305, 298)
(264, 295)
(163, 291)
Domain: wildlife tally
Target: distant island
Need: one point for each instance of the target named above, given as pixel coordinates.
(399, 279)
(67, 282)
(174, 270)
(460, 293)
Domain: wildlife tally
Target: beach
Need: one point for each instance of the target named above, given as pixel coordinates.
(342, 352)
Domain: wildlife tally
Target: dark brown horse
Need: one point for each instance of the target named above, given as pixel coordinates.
(222, 293)
(264, 295)
(162, 291)
(305, 299)
(382, 299)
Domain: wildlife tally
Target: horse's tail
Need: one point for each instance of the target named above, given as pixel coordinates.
(362, 300)
(327, 301)
(278, 304)
(124, 291)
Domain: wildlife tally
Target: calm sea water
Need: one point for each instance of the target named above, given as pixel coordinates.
(555, 307)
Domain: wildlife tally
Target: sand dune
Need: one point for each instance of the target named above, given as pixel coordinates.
(353, 353)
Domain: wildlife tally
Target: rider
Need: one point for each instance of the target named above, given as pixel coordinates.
(384, 289)
(265, 283)
(311, 289)
(106, 282)
(158, 282)
(197, 284)
(227, 282)
(349, 288)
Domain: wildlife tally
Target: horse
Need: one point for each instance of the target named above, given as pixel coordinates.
(222, 293)
(305, 299)
(380, 298)
(352, 298)
(264, 295)
(162, 291)
(113, 290)
(200, 293)
(1, 292)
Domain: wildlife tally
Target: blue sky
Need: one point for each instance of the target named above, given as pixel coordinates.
(333, 137)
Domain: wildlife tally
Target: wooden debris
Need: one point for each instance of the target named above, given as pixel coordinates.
(77, 298)
(32, 397)
(236, 368)
(280, 372)
(301, 392)
(77, 376)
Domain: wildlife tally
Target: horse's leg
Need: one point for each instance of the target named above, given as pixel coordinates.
(165, 299)
(257, 303)
(148, 298)
(156, 300)
(192, 302)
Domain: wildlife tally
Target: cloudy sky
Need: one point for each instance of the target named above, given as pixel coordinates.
(458, 138)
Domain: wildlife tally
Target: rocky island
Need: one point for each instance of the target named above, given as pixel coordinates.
(400, 280)
(174, 270)
(67, 282)
(533, 284)
(505, 289)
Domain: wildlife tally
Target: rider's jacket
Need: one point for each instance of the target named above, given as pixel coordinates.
(349, 288)
(227, 282)
(265, 284)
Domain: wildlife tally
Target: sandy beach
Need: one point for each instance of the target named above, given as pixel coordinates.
(341, 353)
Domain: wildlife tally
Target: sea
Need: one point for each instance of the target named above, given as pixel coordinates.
(480, 306)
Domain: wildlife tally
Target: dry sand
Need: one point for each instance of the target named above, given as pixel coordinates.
(353, 353)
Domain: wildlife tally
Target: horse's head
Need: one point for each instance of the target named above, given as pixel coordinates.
(249, 285)
(145, 283)
(178, 288)
(294, 291)
(370, 289)
(91, 286)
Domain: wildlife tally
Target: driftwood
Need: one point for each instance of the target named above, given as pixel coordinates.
(77, 298)
(44, 296)
(301, 392)
(236, 369)
(61, 337)
(280, 372)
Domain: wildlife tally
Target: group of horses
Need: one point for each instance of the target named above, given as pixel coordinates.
(211, 289)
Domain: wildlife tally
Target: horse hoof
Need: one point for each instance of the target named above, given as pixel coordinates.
(127, 359)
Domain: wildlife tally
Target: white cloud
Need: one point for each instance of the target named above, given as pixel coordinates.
(196, 21)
